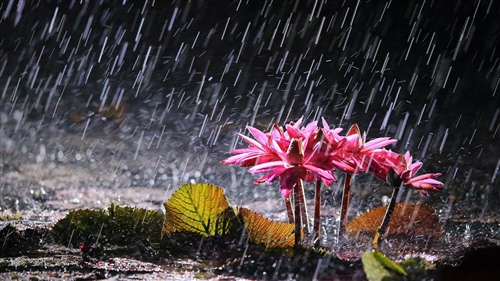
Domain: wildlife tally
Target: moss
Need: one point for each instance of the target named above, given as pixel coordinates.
(115, 225)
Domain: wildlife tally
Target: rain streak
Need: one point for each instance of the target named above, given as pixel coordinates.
(124, 101)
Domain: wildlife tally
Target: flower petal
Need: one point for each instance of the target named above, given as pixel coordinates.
(261, 137)
(328, 175)
(252, 142)
(294, 133)
(415, 167)
(377, 143)
(288, 180)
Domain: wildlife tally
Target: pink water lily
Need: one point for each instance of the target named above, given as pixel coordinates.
(295, 163)
(310, 153)
(258, 151)
(405, 173)
(397, 171)
(355, 156)
(291, 154)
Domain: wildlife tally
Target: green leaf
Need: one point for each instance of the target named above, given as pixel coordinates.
(379, 267)
(199, 208)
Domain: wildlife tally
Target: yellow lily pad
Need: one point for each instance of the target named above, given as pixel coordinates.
(271, 233)
(204, 209)
(198, 208)
(407, 219)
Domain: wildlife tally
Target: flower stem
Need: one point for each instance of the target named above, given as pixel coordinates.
(385, 222)
(346, 196)
(298, 219)
(317, 214)
(303, 208)
(289, 210)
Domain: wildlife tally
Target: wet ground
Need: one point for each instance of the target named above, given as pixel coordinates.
(123, 102)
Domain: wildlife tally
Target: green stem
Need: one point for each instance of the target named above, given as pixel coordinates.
(385, 222)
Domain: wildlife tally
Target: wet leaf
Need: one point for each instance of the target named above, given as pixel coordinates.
(15, 240)
(407, 219)
(116, 225)
(379, 267)
(418, 268)
(271, 233)
(200, 208)
(204, 209)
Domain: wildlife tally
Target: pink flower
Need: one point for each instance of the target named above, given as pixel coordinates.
(403, 171)
(295, 163)
(297, 153)
(309, 153)
(257, 152)
(356, 154)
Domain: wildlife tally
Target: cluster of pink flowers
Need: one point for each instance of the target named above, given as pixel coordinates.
(309, 153)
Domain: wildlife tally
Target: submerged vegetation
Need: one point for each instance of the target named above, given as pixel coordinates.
(199, 223)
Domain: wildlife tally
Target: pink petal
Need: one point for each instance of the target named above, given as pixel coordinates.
(344, 166)
(378, 143)
(426, 184)
(310, 153)
(252, 149)
(405, 175)
(286, 192)
(337, 130)
(293, 132)
(320, 172)
(252, 141)
(271, 176)
(427, 176)
(360, 165)
(310, 128)
(415, 167)
(297, 123)
(408, 160)
(386, 157)
(425, 181)
(325, 124)
(261, 137)
(354, 130)
(278, 149)
(288, 180)
(352, 142)
(236, 159)
(328, 182)
(264, 167)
